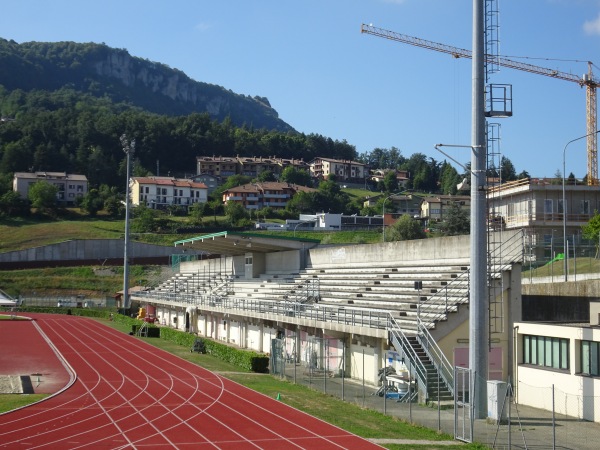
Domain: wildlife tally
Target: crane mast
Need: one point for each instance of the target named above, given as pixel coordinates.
(587, 80)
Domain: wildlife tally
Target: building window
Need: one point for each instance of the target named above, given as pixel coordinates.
(548, 206)
(546, 351)
(585, 207)
(590, 358)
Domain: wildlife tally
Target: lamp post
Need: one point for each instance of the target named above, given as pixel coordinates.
(301, 222)
(564, 201)
(129, 149)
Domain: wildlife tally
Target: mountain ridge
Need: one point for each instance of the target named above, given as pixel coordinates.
(101, 70)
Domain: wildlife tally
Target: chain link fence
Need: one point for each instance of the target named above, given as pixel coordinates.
(560, 423)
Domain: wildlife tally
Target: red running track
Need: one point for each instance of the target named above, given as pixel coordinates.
(128, 394)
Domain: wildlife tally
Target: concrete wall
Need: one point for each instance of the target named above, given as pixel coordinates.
(283, 262)
(560, 288)
(88, 249)
(454, 250)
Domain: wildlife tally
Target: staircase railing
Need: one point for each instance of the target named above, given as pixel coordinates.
(401, 343)
(446, 303)
(143, 329)
(436, 355)
(459, 284)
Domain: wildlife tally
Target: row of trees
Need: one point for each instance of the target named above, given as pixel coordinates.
(70, 132)
(67, 131)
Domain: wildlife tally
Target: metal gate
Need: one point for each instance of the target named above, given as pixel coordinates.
(463, 409)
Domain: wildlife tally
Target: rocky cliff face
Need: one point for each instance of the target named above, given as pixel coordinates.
(125, 78)
(174, 84)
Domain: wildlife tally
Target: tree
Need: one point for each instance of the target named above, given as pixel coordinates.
(196, 212)
(235, 212)
(591, 231)
(390, 181)
(13, 205)
(449, 179)
(92, 202)
(296, 176)
(302, 202)
(405, 229)
(266, 175)
(507, 169)
(456, 221)
(43, 196)
(143, 219)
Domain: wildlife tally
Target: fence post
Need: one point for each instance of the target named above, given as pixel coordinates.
(553, 422)
(439, 402)
(363, 376)
(384, 391)
(343, 372)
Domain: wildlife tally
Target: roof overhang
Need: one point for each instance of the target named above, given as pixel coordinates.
(235, 243)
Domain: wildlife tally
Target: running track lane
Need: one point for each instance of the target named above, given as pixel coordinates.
(129, 394)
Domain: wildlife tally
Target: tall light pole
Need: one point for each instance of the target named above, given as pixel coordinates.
(564, 201)
(129, 149)
(301, 222)
(478, 295)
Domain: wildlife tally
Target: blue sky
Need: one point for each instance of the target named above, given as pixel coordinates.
(323, 76)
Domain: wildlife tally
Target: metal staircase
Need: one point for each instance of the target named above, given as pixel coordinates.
(431, 379)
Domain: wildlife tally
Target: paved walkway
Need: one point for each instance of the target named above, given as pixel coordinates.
(529, 427)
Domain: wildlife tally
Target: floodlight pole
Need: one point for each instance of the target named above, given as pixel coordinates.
(478, 296)
(129, 149)
(564, 200)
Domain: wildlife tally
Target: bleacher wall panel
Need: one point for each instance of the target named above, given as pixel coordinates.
(283, 262)
(454, 250)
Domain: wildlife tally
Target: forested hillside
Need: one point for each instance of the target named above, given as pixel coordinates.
(101, 71)
(65, 105)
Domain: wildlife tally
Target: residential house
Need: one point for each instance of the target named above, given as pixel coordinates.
(260, 195)
(435, 208)
(225, 166)
(70, 186)
(343, 170)
(377, 175)
(211, 181)
(161, 192)
(397, 203)
(220, 166)
(536, 206)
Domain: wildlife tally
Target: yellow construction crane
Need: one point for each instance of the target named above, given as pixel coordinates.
(586, 80)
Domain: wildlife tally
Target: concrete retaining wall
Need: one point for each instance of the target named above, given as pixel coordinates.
(88, 249)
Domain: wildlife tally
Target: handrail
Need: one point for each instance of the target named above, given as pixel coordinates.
(435, 353)
(440, 298)
(417, 365)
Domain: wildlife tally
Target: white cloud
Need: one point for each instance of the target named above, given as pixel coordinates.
(203, 26)
(592, 26)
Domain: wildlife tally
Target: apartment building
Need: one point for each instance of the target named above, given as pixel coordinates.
(260, 195)
(70, 186)
(343, 170)
(226, 166)
(161, 192)
(435, 208)
(536, 205)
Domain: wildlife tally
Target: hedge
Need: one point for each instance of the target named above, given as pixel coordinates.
(244, 359)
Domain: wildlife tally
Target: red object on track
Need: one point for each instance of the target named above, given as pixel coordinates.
(128, 394)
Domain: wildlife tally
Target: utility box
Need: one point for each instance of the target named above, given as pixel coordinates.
(498, 401)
